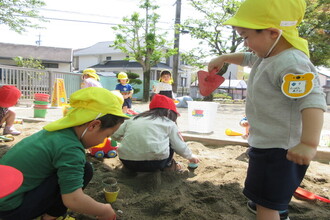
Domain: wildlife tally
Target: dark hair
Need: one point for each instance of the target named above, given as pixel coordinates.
(158, 113)
(259, 30)
(109, 121)
(165, 72)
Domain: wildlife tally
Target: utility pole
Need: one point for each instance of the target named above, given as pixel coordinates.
(176, 45)
(38, 42)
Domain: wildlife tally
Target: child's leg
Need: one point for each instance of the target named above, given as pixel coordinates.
(9, 118)
(264, 213)
(124, 109)
(272, 179)
(46, 198)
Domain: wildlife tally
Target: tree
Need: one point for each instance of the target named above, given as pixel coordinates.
(17, 14)
(28, 62)
(316, 29)
(209, 30)
(133, 80)
(139, 39)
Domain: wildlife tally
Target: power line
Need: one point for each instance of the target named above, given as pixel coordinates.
(88, 14)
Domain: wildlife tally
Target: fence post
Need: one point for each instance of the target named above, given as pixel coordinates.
(51, 82)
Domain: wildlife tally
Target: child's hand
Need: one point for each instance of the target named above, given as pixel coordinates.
(194, 160)
(301, 154)
(109, 214)
(216, 63)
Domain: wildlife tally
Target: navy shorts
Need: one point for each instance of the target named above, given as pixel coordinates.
(128, 103)
(271, 178)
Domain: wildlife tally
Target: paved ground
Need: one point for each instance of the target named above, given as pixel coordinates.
(213, 128)
(227, 116)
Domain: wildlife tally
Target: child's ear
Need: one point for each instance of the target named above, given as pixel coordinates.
(274, 32)
(94, 124)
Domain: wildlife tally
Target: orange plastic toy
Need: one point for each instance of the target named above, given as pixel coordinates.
(107, 148)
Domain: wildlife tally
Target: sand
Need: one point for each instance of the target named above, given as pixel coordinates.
(212, 191)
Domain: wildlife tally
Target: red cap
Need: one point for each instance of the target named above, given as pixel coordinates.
(161, 101)
(9, 96)
(10, 180)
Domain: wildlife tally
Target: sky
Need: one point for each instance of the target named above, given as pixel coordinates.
(99, 17)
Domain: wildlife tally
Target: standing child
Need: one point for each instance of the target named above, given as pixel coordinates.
(126, 90)
(149, 140)
(285, 103)
(53, 160)
(9, 96)
(90, 79)
(164, 87)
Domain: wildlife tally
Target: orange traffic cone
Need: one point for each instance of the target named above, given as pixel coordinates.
(230, 132)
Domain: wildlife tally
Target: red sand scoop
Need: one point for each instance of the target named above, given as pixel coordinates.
(304, 194)
(208, 81)
(10, 180)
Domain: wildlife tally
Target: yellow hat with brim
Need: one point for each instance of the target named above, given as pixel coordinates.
(87, 105)
(92, 73)
(285, 15)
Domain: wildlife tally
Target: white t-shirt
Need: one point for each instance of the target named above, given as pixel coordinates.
(149, 139)
(90, 82)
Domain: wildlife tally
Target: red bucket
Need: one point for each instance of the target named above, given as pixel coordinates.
(41, 106)
(41, 97)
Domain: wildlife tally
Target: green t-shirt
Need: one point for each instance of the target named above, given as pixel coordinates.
(41, 155)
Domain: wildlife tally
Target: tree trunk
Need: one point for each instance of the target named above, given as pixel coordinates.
(146, 80)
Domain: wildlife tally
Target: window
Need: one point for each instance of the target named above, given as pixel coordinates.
(50, 65)
(183, 82)
(108, 58)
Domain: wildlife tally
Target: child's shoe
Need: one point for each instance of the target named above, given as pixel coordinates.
(10, 130)
(284, 214)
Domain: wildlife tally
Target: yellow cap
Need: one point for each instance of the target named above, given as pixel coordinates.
(122, 75)
(164, 72)
(281, 14)
(87, 105)
(92, 73)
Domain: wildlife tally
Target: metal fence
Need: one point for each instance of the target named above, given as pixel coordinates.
(31, 81)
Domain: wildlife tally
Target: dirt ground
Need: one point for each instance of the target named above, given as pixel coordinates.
(212, 191)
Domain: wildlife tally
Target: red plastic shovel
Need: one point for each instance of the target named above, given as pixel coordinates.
(10, 180)
(304, 194)
(208, 81)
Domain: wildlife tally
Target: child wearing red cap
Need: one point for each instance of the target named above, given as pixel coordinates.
(9, 96)
(149, 140)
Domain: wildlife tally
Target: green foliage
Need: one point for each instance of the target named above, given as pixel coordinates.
(316, 29)
(221, 96)
(133, 80)
(18, 14)
(141, 40)
(210, 31)
(28, 62)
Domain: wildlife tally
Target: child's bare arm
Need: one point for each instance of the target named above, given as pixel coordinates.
(233, 58)
(312, 122)
(79, 202)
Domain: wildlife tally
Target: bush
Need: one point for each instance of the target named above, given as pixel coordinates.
(222, 96)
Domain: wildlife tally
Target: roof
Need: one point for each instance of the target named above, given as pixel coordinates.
(127, 64)
(54, 54)
(97, 49)
(234, 83)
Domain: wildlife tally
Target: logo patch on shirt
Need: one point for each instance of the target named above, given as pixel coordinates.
(297, 86)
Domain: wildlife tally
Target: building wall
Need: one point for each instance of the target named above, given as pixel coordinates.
(87, 61)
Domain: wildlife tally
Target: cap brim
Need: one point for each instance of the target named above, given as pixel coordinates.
(242, 23)
(10, 180)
